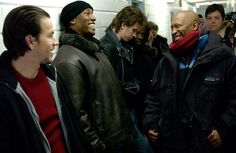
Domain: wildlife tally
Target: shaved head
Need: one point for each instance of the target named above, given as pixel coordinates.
(186, 17)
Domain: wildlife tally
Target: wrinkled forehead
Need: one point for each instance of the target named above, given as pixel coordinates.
(184, 18)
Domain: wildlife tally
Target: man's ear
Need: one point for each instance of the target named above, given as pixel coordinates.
(195, 25)
(73, 21)
(122, 26)
(30, 41)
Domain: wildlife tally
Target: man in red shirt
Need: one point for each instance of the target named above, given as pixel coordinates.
(36, 112)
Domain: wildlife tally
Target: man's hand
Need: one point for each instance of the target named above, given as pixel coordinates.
(214, 139)
(152, 135)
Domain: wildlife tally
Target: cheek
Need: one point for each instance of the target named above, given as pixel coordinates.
(220, 23)
(128, 32)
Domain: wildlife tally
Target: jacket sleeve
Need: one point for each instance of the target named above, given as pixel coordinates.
(76, 80)
(151, 114)
(226, 125)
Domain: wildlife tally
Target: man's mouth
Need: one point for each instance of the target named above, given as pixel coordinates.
(92, 25)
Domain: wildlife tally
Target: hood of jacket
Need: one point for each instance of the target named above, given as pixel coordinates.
(214, 49)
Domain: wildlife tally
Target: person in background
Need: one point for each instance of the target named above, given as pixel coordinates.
(156, 40)
(203, 27)
(37, 114)
(92, 82)
(230, 32)
(145, 60)
(215, 17)
(191, 106)
(122, 29)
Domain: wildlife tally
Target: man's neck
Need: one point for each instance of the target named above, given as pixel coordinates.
(26, 67)
(117, 34)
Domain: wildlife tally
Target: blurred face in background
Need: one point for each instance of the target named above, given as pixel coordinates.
(152, 35)
(215, 21)
(139, 38)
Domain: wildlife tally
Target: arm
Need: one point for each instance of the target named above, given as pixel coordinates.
(6, 125)
(224, 131)
(152, 112)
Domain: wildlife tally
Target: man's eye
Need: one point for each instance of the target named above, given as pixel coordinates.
(178, 26)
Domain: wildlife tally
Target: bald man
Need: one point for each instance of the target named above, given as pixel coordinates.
(191, 106)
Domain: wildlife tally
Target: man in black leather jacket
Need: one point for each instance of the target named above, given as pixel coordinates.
(122, 29)
(92, 82)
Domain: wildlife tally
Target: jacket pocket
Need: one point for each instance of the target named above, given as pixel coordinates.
(213, 80)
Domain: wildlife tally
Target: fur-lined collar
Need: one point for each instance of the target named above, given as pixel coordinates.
(87, 45)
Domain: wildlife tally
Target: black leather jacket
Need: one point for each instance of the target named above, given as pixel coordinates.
(95, 90)
(120, 55)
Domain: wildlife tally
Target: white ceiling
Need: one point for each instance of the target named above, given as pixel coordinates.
(209, 1)
(199, 3)
(196, 1)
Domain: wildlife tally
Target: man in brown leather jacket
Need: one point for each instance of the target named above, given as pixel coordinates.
(92, 82)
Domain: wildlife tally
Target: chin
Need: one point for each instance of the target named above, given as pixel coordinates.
(92, 31)
(214, 29)
(47, 61)
(89, 34)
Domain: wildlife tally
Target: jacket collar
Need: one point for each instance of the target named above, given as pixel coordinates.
(89, 45)
(124, 50)
(7, 74)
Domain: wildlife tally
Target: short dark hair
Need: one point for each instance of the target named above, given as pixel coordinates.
(129, 15)
(20, 22)
(215, 7)
(152, 26)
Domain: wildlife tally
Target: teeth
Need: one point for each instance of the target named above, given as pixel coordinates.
(92, 25)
